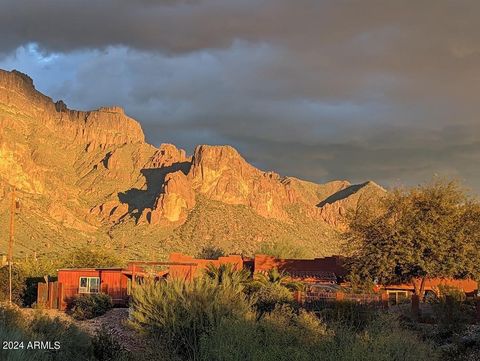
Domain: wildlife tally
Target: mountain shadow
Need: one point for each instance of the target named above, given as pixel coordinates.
(344, 193)
(139, 199)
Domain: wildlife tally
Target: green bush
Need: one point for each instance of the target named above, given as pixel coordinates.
(180, 312)
(87, 306)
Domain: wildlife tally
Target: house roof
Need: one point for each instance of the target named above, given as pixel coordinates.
(317, 267)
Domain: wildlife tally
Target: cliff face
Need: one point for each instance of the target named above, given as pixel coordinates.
(90, 175)
(99, 128)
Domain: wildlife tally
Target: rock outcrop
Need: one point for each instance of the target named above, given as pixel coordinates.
(220, 173)
(176, 200)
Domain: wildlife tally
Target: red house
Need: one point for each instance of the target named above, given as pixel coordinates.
(112, 281)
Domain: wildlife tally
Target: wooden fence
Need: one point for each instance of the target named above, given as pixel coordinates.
(49, 295)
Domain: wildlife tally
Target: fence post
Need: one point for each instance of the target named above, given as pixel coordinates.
(60, 296)
(42, 294)
(416, 306)
(50, 295)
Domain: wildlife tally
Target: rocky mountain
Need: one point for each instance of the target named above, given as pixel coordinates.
(90, 177)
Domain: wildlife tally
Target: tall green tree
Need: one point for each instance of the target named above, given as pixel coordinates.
(415, 234)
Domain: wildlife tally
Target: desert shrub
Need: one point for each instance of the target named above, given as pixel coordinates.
(269, 296)
(18, 284)
(91, 257)
(285, 334)
(283, 249)
(381, 340)
(210, 252)
(451, 315)
(12, 326)
(10, 316)
(350, 314)
(7, 334)
(451, 311)
(180, 312)
(446, 291)
(106, 348)
(74, 344)
(282, 334)
(87, 306)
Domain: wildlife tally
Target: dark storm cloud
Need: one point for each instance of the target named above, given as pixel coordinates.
(317, 89)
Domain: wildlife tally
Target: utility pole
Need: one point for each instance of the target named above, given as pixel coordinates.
(10, 243)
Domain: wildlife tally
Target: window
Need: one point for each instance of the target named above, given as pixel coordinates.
(89, 285)
(396, 297)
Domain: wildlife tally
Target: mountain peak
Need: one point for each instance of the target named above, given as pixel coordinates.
(24, 77)
(92, 129)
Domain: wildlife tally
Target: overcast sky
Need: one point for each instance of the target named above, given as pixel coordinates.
(321, 90)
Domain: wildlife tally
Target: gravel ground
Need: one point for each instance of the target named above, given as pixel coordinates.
(115, 321)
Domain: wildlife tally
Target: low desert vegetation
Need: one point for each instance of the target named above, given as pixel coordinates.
(87, 306)
(220, 318)
(16, 326)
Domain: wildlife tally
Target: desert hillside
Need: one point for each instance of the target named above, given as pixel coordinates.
(90, 178)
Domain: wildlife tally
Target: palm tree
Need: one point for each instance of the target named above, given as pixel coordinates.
(226, 274)
(276, 277)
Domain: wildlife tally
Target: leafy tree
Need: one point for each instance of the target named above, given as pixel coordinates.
(424, 232)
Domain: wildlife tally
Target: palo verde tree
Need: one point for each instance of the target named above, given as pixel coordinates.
(415, 234)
